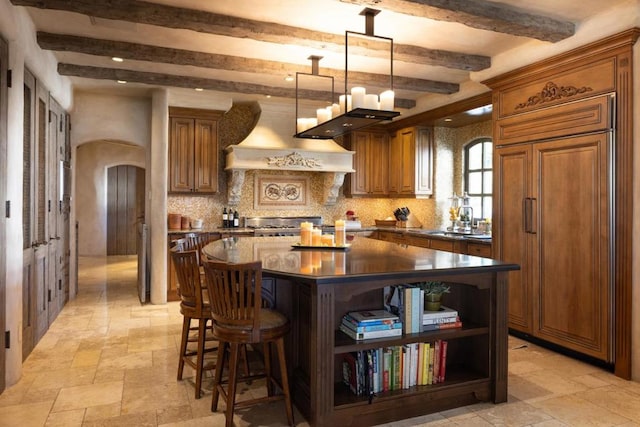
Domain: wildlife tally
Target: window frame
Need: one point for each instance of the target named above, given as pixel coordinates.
(466, 171)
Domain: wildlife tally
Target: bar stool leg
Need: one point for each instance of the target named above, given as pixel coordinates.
(285, 380)
(267, 367)
(217, 379)
(186, 324)
(231, 391)
(202, 332)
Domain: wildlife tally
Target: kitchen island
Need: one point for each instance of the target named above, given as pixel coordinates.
(316, 287)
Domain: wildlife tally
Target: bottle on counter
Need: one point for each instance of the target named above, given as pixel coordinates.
(231, 219)
(225, 217)
(236, 219)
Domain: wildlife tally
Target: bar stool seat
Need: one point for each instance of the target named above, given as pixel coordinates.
(239, 318)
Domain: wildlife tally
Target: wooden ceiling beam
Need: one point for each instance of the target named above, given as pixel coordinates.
(141, 52)
(484, 15)
(223, 25)
(160, 79)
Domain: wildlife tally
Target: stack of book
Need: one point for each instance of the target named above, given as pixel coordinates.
(393, 368)
(369, 324)
(442, 319)
(407, 302)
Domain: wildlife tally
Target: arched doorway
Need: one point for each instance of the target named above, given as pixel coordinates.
(125, 208)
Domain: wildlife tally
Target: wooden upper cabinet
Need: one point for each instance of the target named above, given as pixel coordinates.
(371, 164)
(193, 150)
(410, 163)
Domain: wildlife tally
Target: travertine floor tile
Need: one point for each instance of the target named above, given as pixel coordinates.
(576, 411)
(32, 414)
(85, 396)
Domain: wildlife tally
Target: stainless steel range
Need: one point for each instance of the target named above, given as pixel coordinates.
(279, 225)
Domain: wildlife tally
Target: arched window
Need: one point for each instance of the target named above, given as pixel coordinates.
(478, 176)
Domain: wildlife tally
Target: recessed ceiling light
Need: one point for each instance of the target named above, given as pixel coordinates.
(289, 78)
(448, 119)
(122, 82)
(268, 96)
(198, 89)
(117, 59)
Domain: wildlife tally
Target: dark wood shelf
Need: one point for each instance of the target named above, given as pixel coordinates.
(457, 376)
(347, 122)
(345, 344)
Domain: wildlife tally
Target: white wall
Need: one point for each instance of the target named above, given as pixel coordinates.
(17, 29)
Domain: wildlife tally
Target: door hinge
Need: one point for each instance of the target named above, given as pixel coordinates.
(7, 209)
(49, 205)
(7, 339)
(48, 295)
(50, 116)
(9, 78)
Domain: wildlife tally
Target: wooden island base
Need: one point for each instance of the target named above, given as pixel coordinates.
(315, 288)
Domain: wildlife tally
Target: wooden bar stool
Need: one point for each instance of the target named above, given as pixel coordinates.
(239, 319)
(193, 306)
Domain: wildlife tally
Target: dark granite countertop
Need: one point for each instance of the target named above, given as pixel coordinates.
(365, 257)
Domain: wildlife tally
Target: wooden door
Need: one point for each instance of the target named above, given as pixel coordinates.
(512, 238)
(4, 60)
(572, 295)
(181, 154)
(56, 135)
(125, 208)
(206, 156)
(378, 164)
(28, 215)
(42, 208)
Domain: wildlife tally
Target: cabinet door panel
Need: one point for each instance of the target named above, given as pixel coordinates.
(407, 171)
(206, 156)
(378, 173)
(181, 155)
(511, 242)
(572, 287)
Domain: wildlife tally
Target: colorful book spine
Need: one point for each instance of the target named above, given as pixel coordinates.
(371, 328)
(397, 367)
(370, 335)
(420, 363)
(376, 379)
(408, 307)
(370, 322)
(440, 320)
(386, 369)
(438, 326)
(436, 362)
(443, 360)
(431, 357)
(415, 310)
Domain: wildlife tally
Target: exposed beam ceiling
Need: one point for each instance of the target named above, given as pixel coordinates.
(135, 51)
(150, 78)
(483, 15)
(249, 46)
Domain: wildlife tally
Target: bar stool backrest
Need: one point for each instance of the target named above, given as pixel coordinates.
(235, 295)
(186, 263)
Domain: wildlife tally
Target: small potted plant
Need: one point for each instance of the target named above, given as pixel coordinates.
(433, 294)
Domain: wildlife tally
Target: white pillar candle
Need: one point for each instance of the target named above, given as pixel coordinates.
(371, 101)
(345, 103)
(322, 115)
(357, 97)
(301, 124)
(387, 100)
(335, 111)
(312, 122)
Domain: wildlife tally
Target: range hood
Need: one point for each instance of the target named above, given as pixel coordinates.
(269, 145)
(334, 165)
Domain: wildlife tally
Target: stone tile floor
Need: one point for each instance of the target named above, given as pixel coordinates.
(107, 360)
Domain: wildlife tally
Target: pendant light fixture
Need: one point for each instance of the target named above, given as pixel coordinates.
(356, 108)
